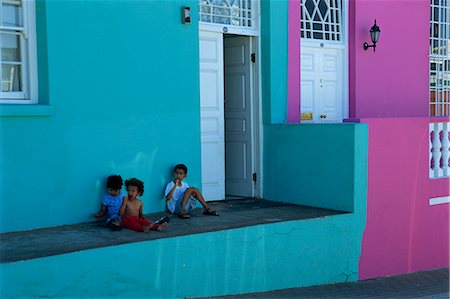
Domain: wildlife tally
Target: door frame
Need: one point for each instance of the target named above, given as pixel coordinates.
(342, 73)
(256, 109)
(344, 46)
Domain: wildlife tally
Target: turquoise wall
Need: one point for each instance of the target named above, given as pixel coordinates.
(274, 50)
(250, 259)
(121, 82)
(319, 165)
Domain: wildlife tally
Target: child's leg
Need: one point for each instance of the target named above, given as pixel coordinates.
(114, 224)
(198, 195)
(143, 221)
(160, 224)
(132, 223)
(187, 194)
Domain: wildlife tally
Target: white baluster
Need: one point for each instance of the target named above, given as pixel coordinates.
(436, 150)
(444, 149)
(430, 150)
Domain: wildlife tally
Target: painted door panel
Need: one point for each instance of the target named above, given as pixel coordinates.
(321, 83)
(212, 115)
(238, 121)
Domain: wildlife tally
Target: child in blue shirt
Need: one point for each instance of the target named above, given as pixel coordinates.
(111, 203)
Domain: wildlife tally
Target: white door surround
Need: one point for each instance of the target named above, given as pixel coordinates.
(324, 61)
(322, 81)
(213, 115)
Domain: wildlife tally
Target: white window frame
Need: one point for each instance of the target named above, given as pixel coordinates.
(233, 29)
(29, 95)
(440, 82)
(335, 36)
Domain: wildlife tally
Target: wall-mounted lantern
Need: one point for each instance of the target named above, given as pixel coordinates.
(186, 15)
(374, 35)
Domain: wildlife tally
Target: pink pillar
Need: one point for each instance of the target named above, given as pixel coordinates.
(293, 105)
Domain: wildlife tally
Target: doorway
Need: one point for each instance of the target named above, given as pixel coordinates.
(229, 115)
(322, 81)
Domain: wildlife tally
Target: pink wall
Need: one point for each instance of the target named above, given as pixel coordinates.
(393, 81)
(388, 90)
(293, 106)
(403, 232)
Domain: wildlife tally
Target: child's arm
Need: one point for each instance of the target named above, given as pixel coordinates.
(140, 211)
(123, 206)
(170, 194)
(100, 213)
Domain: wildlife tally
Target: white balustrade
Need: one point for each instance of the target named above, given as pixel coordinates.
(439, 150)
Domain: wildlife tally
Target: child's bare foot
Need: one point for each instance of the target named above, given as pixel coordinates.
(161, 224)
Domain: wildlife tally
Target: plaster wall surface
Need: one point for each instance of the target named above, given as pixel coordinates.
(112, 109)
(274, 61)
(403, 232)
(316, 165)
(393, 81)
(250, 259)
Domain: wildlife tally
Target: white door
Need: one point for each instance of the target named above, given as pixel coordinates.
(321, 84)
(238, 116)
(212, 115)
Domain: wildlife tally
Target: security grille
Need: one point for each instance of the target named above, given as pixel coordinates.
(241, 13)
(439, 58)
(321, 20)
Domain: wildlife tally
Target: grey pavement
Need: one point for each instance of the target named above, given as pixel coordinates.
(25, 245)
(433, 284)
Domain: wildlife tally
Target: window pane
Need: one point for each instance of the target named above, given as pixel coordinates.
(11, 75)
(12, 13)
(228, 12)
(325, 16)
(10, 46)
(439, 58)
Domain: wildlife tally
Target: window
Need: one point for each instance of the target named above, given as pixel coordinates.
(321, 20)
(439, 58)
(18, 52)
(240, 13)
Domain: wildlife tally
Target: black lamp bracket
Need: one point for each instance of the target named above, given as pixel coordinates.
(367, 46)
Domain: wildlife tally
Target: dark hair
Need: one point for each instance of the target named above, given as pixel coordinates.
(180, 166)
(114, 182)
(135, 183)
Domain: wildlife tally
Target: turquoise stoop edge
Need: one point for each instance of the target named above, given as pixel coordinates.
(249, 259)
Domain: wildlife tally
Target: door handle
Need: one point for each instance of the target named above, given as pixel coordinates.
(323, 116)
(321, 83)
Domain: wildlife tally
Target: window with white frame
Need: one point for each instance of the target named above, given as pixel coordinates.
(18, 52)
(439, 58)
(239, 13)
(321, 20)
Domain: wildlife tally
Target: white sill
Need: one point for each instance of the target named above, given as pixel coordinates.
(25, 110)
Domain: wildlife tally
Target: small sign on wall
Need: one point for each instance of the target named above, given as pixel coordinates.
(439, 200)
(307, 116)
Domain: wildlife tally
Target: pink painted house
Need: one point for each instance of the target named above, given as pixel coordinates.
(400, 89)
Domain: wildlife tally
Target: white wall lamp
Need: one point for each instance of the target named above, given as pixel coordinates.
(374, 35)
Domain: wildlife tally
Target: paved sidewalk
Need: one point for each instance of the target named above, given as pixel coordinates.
(427, 284)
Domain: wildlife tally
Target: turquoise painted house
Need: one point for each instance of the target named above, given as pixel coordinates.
(277, 100)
